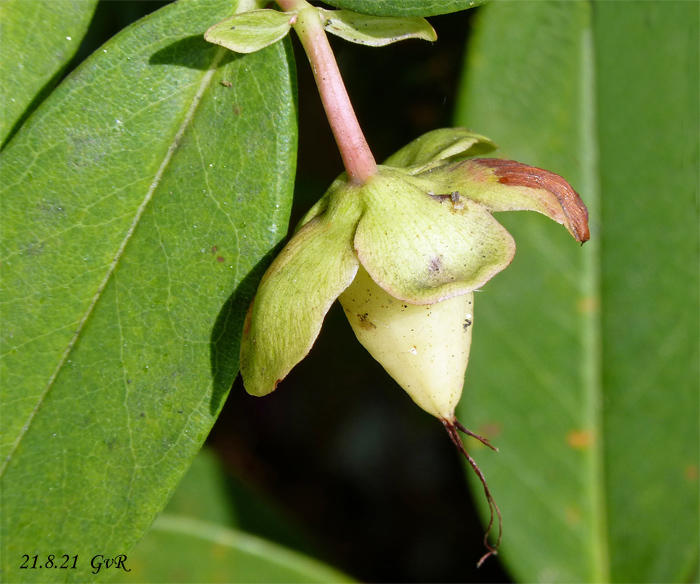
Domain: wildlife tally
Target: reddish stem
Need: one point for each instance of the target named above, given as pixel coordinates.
(354, 150)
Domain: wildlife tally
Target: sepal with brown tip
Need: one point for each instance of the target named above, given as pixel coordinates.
(507, 185)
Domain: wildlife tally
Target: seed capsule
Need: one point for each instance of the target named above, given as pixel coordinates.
(424, 347)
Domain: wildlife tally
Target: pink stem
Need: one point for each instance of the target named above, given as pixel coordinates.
(354, 150)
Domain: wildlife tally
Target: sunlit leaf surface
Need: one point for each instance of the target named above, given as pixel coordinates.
(139, 205)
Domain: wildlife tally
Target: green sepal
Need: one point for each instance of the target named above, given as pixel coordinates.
(423, 247)
(375, 31)
(439, 147)
(321, 205)
(248, 32)
(296, 292)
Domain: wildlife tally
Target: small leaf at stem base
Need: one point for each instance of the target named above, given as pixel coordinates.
(249, 32)
(375, 31)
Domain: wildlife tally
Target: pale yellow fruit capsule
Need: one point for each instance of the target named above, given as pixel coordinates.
(424, 347)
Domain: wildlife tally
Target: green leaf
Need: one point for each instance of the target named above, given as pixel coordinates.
(375, 31)
(182, 549)
(38, 41)
(585, 361)
(405, 7)
(139, 204)
(249, 32)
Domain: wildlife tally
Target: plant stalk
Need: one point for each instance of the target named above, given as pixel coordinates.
(354, 150)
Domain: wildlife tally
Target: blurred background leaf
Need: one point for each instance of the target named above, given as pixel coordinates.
(584, 366)
(140, 203)
(38, 41)
(183, 550)
(203, 493)
(199, 537)
(209, 491)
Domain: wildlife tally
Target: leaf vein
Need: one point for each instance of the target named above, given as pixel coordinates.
(204, 84)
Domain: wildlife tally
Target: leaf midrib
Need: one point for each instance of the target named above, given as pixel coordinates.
(235, 539)
(592, 325)
(177, 137)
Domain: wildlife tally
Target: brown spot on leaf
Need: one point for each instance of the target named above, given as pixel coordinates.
(435, 264)
(691, 472)
(573, 515)
(220, 259)
(588, 305)
(226, 83)
(213, 249)
(579, 439)
(512, 173)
